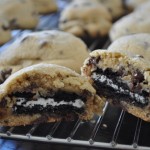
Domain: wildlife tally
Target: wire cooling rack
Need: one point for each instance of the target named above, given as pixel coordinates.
(115, 129)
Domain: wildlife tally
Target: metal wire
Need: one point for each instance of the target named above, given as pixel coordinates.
(88, 143)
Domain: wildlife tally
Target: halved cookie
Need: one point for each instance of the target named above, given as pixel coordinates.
(121, 80)
(46, 93)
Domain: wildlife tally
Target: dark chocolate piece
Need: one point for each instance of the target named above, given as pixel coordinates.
(4, 74)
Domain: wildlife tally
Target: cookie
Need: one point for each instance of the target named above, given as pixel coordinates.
(45, 6)
(132, 4)
(53, 47)
(131, 45)
(136, 22)
(5, 33)
(18, 14)
(85, 18)
(46, 93)
(116, 8)
(123, 81)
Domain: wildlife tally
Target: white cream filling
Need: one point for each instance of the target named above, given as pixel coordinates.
(109, 82)
(49, 101)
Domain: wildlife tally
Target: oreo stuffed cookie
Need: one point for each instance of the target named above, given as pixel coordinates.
(47, 93)
(121, 80)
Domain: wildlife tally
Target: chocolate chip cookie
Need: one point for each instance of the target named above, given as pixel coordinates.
(46, 93)
(85, 18)
(123, 81)
(53, 47)
(131, 45)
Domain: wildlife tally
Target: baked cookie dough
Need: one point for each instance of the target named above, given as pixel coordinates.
(121, 80)
(131, 45)
(18, 14)
(46, 93)
(45, 6)
(132, 4)
(115, 8)
(85, 18)
(53, 47)
(136, 22)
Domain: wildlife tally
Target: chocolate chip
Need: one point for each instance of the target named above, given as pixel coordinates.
(140, 56)
(86, 93)
(43, 44)
(61, 52)
(34, 13)
(137, 77)
(6, 121)
(24, 39)
(13, 23)
(4, 74)
(64, 21)
(4, 27)
(110, 10)
(94, 60)
(3, 103)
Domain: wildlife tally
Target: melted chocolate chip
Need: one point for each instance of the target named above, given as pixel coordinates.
(137, 77)
(3, 103)
(94, 60)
